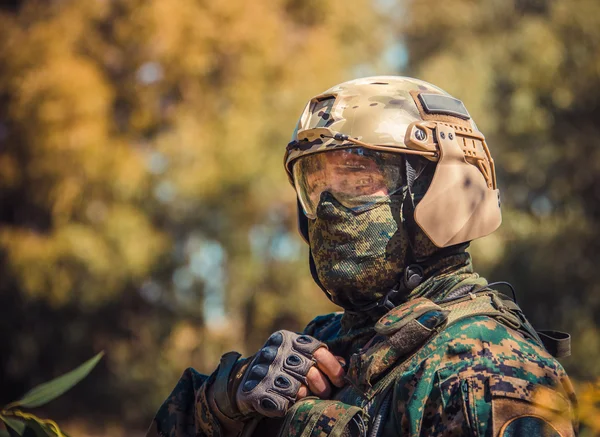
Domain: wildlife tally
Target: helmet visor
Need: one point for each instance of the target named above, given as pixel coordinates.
(357, 177)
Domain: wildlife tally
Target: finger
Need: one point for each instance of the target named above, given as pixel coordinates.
(330, 366)
(302, 392)
(318, 383)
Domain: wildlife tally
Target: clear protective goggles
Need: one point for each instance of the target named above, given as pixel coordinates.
(357, 177)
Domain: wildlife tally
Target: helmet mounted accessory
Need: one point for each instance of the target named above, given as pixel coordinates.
(464, 181)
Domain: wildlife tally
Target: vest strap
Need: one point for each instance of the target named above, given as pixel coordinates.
(484, 303)
(556, 342)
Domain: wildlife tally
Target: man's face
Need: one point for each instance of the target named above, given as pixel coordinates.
(353, 176)
(345, 171)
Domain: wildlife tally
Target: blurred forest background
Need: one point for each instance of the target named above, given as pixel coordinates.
(144, 209)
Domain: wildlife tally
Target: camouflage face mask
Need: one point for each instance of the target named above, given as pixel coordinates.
(358, 257)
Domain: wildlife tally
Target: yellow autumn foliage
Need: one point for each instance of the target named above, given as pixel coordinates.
(145, 210)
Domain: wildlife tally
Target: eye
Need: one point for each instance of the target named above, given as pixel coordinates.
(355, 165)
(317, 185)
(354, 162)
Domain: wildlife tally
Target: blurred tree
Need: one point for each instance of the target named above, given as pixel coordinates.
(144, 208)
(143, 205)
(529, 72)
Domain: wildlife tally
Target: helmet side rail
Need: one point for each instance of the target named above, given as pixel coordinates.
(420, 140)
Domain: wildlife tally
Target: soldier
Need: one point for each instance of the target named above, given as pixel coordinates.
(393, 180)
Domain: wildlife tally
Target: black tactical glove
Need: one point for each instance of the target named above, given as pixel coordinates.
(274, 376)
(268, 382)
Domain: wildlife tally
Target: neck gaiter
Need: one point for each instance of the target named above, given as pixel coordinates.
(358, 257)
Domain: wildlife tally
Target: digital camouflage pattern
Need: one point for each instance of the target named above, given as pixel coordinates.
(314, 417)
(467, 380)
(471, 379)
(358, 257)
(186, 411)
(419, 371)
(398, 317)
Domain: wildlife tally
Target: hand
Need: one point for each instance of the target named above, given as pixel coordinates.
(283, 371)
(328, 368)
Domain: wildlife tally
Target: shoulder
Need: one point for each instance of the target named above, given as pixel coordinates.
(481, 345)
(325, 326)
(501, 377)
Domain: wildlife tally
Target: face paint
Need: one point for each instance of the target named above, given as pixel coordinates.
(358, 257)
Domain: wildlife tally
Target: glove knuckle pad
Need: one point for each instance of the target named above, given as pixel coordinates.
(272, 381)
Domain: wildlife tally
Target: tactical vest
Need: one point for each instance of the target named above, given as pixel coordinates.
(362, 405)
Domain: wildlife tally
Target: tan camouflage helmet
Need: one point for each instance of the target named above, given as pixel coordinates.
(410, 116)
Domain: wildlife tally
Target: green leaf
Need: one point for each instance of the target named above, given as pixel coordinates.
(31, 426)
(16, 424)
(50, 390)
(35, 428)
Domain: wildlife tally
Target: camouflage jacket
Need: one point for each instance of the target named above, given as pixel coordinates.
(479, 376)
